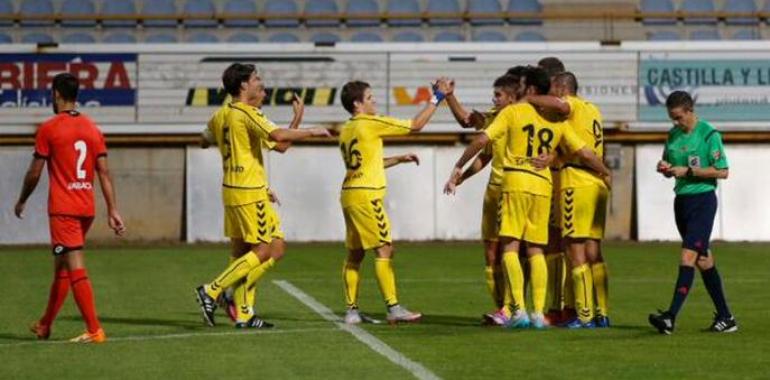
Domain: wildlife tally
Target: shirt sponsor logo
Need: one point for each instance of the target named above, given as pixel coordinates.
(79, 186)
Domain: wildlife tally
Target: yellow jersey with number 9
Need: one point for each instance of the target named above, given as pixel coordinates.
(240, 132)
(528, 134)
(361, 147)
(586, 120)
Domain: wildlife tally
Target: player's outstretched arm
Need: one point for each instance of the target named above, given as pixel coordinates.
(481, 161)
(471, 151)
(404, 158)
(114, 220)
(440, 89)
(461, 115)
(299, 111)
(207, 138)
(708, 172)
(550, 103)
(30, 182)
(290, 135)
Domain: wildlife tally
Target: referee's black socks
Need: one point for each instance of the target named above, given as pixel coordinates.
(714, 286)
(682, 289)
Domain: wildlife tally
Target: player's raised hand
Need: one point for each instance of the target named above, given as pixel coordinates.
(410, 157)
(320, 132)
(442, 85)
(18, 210)
(298, 105)
(476, 119)
(116, 223)
(273, 197)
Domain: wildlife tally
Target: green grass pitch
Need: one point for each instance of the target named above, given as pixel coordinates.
(145, 300)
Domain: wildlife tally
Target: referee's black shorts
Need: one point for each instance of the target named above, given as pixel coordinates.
(694, 215)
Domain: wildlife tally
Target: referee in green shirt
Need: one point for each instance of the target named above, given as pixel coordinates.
(695, 156)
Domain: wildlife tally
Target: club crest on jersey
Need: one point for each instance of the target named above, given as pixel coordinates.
(693, 161)
(717, 155)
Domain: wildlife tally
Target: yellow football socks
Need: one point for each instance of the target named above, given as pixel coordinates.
(241, 298)
(515, 280)
(351, 278)
(584, 292)
(601, 288)
(383, 269)
(539, 274)
(259, 271)
(489, 276)
(237, 270)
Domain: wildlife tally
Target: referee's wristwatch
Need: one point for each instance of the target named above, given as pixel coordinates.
(689, 172)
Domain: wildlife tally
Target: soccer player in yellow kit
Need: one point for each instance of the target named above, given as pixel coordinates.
(525, 202)
(364, 188)
(240, 132)
(505, 91)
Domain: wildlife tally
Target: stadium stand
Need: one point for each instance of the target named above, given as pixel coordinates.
(281, 8)
(78, 38)
(402, 8)
(5, 39)
(658, 6)
(160, 38)
(448, 37)
(202, 37)
(6, 8)
(119, 38)
(36, 8)
(525, 6)
(441, 8)
(408, 36)
(489, 36)
(157, 9)
(118, 8)
(699, 6)
(705, 35)
(200, 8)
(745, 34)
(243, 37)
(78, 8)
(322, 8)
(484, 7)
(36, 38)
(240, 7)
(363, 8)
(740, 6)
(664, 35)
(325, 37)
(283, 37)
(366, 37)
(529, 36)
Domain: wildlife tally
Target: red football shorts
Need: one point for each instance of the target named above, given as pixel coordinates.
(68, 233)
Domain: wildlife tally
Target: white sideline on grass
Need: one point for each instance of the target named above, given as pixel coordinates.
(378, 346)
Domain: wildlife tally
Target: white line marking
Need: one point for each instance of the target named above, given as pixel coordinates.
(480, 281)
(378, 346)
(175, 336)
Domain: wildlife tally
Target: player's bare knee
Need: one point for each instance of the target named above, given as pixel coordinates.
(705, 262)
(385, 252)
(277, 249)
(689, 257)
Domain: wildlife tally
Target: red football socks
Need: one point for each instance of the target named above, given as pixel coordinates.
(59, 289)
(84, 297)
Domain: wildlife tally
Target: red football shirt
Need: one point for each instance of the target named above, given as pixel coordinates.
(70, 142)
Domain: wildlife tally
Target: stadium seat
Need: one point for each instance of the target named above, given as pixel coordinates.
(489, 36)
(119, 38)
(443, 7)
(283, 37)
(78, 38)
(78, 8)
(202, 38)
(325, 37)
(664, 35)
(485, 7)
(408, 37)
(241, 7)
(362, 7)
(705, 35)
(740, 6)
(745, 34)
(448, 37)
(160, 38)
(366, 37)
(529, 36)
(36, 8)
(401, 8)
(243, 37)
(282, 7)
(160, 8)
(699, 6)
(36, 37)
(5, 39)
(525, 6)
(6, 8)
(200, 8)
(322, 8)
(658, 6)
(118, 8)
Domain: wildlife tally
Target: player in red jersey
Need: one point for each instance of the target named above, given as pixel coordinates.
(73, 147)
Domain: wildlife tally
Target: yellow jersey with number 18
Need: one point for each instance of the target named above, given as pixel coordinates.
(528, 134)
(361, 147)
(240, 132)
(586, 120)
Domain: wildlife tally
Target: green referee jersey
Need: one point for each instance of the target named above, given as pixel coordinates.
(700, 148)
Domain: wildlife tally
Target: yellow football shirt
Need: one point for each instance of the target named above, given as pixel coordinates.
(586, 120)
(361, 146)
(240, 132)
(496, 149)
(527, 134)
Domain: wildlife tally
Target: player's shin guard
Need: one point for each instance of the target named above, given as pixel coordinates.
(383, 269)
(539, 275)
(515, 280)
(237, 270)
(84, 298)
(351, 278)
(584, 294)
(59, 289)
(257, 273)
(601, 287)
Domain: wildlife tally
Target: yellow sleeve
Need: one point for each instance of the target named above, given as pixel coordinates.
(391, 126)
(573, 104)
(570, 140)
(499, 125)
(259, 125)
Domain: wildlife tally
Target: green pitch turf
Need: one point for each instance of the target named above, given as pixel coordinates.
(145, 301)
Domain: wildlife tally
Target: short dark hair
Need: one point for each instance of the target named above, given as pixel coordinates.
(679, 99)
(569, 80)
(509, 83)
(538, 78)
(551, 65)
(236, 74)
(352, 92)
(517, 70)
(66, 85)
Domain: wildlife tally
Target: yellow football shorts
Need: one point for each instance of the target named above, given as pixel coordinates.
(584, 211)
(489, 213)
(254, 222)
(367, 225)
(524, 216)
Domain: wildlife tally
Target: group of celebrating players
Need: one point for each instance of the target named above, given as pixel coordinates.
(543, 216)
